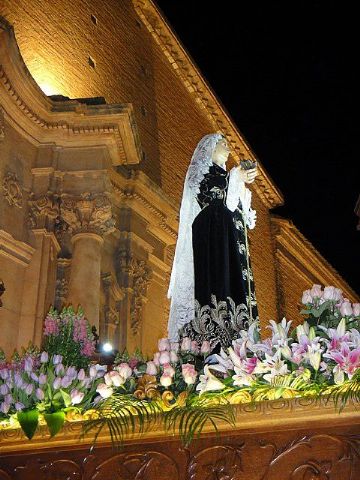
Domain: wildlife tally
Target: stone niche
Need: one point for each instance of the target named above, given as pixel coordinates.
(78, 225)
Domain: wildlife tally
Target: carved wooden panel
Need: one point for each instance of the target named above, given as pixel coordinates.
(330, 454)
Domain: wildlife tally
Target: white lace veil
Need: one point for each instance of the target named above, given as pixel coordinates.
(181, 288)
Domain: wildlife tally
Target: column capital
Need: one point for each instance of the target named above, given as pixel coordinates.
(87, 213)
(43, 211)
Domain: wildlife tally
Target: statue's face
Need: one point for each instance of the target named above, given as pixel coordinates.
(221, 152)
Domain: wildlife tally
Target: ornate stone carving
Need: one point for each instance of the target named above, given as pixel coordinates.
(135, 275)
(2, 125)
(43, 211)
(12, 190)
(111, 317)
(62, 282)
(90, 212)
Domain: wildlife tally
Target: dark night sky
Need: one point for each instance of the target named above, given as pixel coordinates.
(285, 73)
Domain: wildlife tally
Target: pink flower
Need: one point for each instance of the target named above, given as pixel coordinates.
(173, 357)
(29, 389)
(104, 390)
(81, 375)
(316, 291)
(189, 373)
(194, 347)
(348, 360)
(306, 297)
(249, 364)
(205, 347)
(185, 344)
(40, 394)
(57, 359)
(332, 293)
(88, 348)
(4, 389)
(124, 370)
(356, 309)
(29, 364)
(156, 358)
(174, 346)
(44, 358)
(164, 344)
(151, 368)
(345, 309)
(57, 383)
(66, 382)
(42, 379)
(166, 380)
(5, 407)
(51, 326)
(164, 357)
(133, 362)
(168, 370)
(76, 396)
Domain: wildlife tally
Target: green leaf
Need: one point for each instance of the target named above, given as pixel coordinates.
(66, 397)
(29, 421)
(54, 421)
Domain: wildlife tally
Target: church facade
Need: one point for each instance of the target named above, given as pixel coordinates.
(100, 110)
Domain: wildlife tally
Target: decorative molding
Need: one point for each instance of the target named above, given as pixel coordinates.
(195, 83)
(12, 190)
(43, 211)
(89, 212)
(18, 251)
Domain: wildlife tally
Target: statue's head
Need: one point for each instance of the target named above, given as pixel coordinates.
(221, 151)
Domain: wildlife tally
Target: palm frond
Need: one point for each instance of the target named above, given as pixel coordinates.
(122, 415)
(191, 419)
(346, 392)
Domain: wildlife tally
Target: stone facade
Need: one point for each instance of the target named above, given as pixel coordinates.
(90, 189)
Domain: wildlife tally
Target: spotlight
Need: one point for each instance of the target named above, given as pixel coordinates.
(107, 347)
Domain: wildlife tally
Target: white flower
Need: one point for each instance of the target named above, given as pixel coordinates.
(104, 390)
(166, 380)
(209, 382)
(114, 378)
(242, 378)
(339, 376)
(124, 370)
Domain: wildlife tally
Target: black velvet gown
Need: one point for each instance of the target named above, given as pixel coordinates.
(224, 284)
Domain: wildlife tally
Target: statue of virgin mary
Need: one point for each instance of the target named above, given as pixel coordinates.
(211, 286)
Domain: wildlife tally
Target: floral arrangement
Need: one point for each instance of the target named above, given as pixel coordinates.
(183, 382)
(69, 334)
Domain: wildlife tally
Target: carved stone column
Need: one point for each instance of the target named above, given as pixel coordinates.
(89, 218)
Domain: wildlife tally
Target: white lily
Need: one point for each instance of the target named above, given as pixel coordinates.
(208, 382)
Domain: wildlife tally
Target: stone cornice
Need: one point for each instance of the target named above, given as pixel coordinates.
(205, 97)
(67, 123)
(149, 201)
(274, 415)
(294, 245)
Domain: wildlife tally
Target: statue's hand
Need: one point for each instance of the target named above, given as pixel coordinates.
(248, 176)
